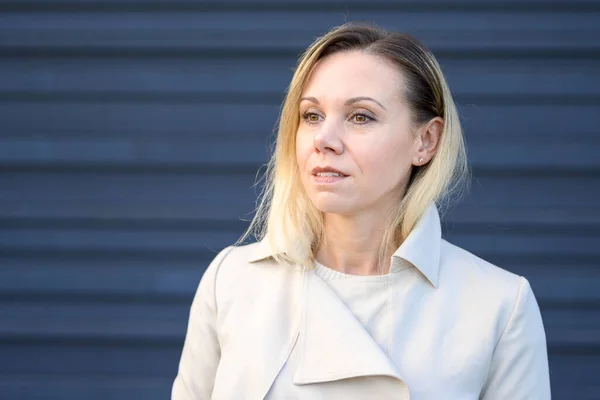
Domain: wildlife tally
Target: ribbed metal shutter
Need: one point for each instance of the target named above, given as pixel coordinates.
(131, 132)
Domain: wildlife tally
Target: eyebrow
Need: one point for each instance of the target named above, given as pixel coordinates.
(349, 101)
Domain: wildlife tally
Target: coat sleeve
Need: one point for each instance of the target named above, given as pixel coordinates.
(201, 352)
(519, 368)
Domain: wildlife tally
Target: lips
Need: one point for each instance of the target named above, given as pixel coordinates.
(327, 171)
(327, 176)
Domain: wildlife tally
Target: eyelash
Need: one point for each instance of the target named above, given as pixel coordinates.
(368, 118)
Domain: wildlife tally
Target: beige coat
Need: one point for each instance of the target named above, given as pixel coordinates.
(470, 330)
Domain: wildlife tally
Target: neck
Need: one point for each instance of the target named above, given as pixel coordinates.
(352, 244)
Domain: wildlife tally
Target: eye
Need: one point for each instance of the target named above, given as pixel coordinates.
(311, 117)
(361, 118)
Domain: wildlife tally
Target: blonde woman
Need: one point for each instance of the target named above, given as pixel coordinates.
(351, 293)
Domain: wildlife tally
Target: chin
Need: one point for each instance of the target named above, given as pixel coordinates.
(326, 203)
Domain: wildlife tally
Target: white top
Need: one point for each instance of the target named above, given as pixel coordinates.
(371, 300)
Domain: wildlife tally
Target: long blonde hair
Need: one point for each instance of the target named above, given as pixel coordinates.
(285, 216)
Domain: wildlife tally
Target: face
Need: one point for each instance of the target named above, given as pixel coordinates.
(356, 142)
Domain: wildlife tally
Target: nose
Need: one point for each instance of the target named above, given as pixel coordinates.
(327, 139)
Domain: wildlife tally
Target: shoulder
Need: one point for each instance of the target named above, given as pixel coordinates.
(232, 260)
(487, 288)
(460, 265)
(236, 270)
(245, 260)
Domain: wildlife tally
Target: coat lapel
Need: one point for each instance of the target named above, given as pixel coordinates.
(333, 344)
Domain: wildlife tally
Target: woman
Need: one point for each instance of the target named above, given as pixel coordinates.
(351, 293)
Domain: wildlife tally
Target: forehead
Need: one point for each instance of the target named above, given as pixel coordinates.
(354, 73)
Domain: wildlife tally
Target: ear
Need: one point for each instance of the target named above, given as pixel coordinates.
(427, 141)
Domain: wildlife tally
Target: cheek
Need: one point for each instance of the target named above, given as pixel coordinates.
(388, 162)
(303, 150)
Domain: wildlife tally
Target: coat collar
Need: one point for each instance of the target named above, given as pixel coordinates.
(261, 251)
(333, 345)
(421, 248)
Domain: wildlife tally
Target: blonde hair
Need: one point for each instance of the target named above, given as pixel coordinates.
(285, 216)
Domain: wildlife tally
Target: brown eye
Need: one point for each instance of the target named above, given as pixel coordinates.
(360, 119)
(311, 117)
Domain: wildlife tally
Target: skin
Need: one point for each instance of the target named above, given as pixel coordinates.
(353, 118)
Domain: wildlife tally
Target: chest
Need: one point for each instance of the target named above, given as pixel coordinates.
(308, 341)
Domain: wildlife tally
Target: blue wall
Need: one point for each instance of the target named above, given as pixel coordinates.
(130, 136)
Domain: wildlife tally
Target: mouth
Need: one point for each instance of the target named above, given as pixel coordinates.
(327, 171)
(327, 175)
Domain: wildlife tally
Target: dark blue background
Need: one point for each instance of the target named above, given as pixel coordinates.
(130, 136)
